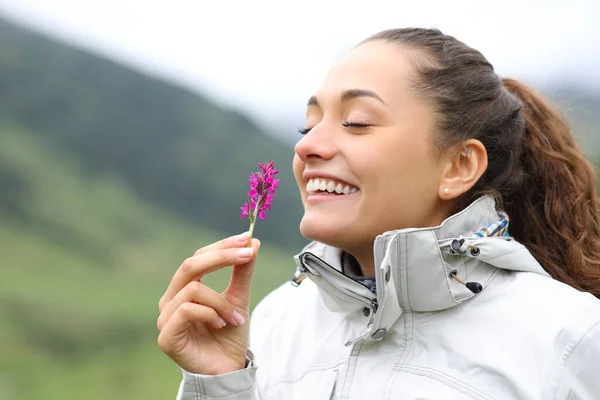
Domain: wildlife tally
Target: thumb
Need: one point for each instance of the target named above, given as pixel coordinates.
(238, 291)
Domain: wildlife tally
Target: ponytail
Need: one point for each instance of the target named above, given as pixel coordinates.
(554, 212)
(535, 169)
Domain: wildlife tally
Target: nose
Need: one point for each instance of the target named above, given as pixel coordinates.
(316, 145)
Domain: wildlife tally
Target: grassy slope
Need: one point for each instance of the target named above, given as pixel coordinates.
(80, 278)
(169, 144)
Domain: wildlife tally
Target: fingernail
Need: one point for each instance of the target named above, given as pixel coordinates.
(245, 252)
(243, 237)
(238, 317)
(222, 321)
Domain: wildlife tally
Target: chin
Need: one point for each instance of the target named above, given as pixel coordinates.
(324, 230)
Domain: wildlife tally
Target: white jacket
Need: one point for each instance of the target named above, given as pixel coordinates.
(423, 335)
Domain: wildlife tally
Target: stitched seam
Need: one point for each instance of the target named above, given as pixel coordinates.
(293, 380)
(351, 365)
(449, 380)
(397, 282)
(296, 378)
(505, 254)
(460, 389)
(343, 385)
(443, 376)
(401, 357)
(446, 272)
(567, 354)
(412, 336)
(198, 386)
(446, 380)
(394, 375)
(491, 278)
(229, 394)
(406, 271)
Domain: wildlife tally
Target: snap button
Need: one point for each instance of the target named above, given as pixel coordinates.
(379, 333)
(457, 245)
(475, 251)
(366, 311)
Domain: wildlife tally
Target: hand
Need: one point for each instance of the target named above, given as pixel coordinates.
(203, 331)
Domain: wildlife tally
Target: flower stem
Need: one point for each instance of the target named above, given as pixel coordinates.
(251, 230)
(253, 219)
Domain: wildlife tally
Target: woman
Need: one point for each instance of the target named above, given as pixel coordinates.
(455, 255)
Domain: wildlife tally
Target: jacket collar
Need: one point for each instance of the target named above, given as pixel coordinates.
(413, 267)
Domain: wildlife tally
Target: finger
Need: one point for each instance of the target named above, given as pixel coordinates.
(240, 240)
(238, 291)
(201, 265)
(186, 315)
(196, 292)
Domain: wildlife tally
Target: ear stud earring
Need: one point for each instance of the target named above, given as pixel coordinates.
(446, 191)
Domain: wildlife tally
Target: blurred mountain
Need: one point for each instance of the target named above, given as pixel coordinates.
(108, 179)
(84, 262)
(171, 146)
(582, 108)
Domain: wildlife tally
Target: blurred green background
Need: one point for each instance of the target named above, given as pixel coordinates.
(108, 180)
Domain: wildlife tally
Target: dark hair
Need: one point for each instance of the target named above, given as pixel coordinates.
(536, 170)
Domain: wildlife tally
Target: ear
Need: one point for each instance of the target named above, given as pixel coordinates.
(462, 169)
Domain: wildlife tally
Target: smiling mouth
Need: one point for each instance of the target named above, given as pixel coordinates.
(331, 187)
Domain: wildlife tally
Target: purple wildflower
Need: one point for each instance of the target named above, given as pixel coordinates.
(260, 196)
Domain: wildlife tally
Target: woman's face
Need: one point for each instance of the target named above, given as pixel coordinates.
(368, 163)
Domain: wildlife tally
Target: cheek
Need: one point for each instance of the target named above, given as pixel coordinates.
(403, 175)
(411, 156)
(298, 167)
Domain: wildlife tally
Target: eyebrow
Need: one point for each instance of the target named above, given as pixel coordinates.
(350, 95)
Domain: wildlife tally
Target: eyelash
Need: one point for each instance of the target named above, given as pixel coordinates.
(345, 124)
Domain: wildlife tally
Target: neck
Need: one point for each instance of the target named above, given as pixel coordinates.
(360, 263)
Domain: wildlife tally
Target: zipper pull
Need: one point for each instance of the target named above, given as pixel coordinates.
(367, 332)
(299, 276)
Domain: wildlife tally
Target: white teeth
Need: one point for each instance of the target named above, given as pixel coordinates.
(331, 186)
(309, 186)
(316, 184)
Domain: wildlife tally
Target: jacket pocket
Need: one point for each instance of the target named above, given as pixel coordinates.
(413, 382)
(313, 385)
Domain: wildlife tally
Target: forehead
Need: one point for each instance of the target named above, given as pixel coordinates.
(381, 67)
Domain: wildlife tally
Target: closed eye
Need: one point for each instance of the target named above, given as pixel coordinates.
(345, 124)
(349, 124)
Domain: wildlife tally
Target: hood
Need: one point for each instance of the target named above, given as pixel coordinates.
(414, 267)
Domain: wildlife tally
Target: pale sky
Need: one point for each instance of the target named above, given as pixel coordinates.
(267, 57)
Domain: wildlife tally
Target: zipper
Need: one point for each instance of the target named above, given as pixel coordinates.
(309, 263)
(327, 275)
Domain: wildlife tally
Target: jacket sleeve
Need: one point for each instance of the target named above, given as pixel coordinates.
(580, 378)
(238, 385)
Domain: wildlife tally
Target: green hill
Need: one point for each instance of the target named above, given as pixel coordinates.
(108, 179)
(83, 265)
(172, 147)
(583, 111)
